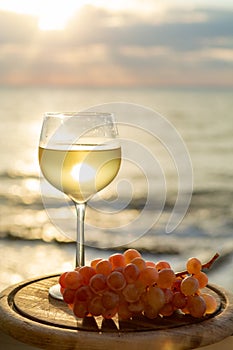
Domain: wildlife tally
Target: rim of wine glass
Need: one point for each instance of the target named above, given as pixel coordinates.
(78, 114)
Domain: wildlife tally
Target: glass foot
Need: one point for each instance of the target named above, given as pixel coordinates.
(55, 293)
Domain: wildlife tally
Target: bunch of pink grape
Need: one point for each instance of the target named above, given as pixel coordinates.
(126, 285)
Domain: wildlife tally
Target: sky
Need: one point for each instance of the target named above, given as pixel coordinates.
(130, 43)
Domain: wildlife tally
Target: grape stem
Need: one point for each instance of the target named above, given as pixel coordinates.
(204, 266)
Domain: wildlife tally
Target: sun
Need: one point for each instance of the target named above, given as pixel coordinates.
(52, 20)
(55, 15)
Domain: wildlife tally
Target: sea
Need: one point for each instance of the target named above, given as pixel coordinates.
(172, 198)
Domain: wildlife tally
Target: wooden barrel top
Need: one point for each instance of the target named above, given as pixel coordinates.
(30, 315)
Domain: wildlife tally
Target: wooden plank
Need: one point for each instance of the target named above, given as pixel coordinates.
(30, 315)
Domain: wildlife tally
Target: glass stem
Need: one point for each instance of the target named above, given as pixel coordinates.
(80, 254)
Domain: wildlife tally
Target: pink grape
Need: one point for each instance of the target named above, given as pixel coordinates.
(166, 278)
(139, 262)
(95, 262)
(148, 276)
(150, 264)
(131, 273)
(196, 306)
(155, 297)
(80, 309)
(131, 293)
(162, 265)
(104, 266)
(136, 307)
(68, 295)
(131, 254)
(84, 293)
(179, 300)
(73, 280)
(95, 306)
(123, 311)
(61, 280)
(116, 281)
(150, 312)
(110, 299)
(202, 279)
(87, 272)
(98, 283)
(168, 294)
(193, 265)
(176, 285)
(166, 310)
(117, 260)
(189, 285)
(211, 303)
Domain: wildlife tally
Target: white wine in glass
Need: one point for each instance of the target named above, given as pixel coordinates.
(79, 154)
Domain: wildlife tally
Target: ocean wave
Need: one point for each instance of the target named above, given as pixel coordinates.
(25, 216)
(18, 191)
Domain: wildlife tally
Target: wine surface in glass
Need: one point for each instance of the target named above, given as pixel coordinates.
(80, 171)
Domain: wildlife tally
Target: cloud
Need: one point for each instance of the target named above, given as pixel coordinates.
(180, 29)
(100, 47)
(15, 28)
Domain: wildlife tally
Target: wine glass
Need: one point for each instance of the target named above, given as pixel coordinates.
(79, 154)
